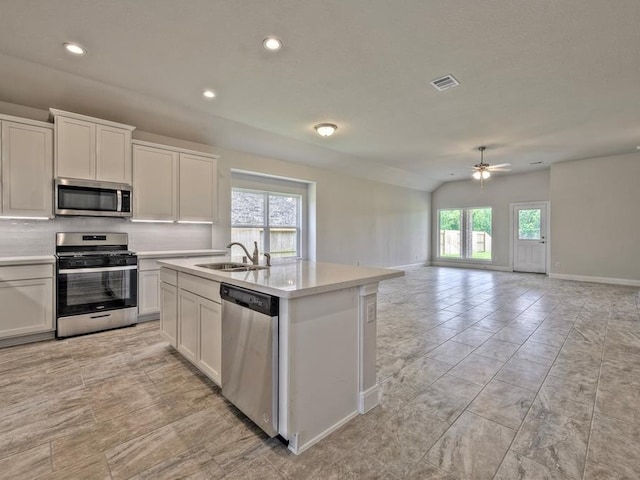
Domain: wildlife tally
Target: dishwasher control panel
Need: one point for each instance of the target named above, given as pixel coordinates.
(260, 302)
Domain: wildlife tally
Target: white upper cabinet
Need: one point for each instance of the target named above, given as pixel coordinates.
(174, 184)
(27, 169)
(113, 154)
(155, 185)
(92, 149)
(198, 192)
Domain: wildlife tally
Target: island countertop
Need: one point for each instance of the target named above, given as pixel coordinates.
(286, 278)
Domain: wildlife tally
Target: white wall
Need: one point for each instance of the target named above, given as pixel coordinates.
(498, 193)
(595, 219)
(356, 220)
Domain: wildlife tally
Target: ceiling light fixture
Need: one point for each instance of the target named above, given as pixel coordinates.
(209, 94)
(74, 48)
(325, 129)
(482, 171)
(272, 44)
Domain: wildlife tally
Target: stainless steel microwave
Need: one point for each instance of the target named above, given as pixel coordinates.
(92, 198)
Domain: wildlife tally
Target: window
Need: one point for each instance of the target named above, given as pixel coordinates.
(529, 224)
(465, 233)
(272, 219)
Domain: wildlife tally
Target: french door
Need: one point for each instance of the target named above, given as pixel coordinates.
(530, 239)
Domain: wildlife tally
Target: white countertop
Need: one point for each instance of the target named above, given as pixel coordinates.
(7, 261)
(287, 278)
(180, 253)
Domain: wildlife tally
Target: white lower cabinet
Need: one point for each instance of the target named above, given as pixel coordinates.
(188, 325)
(169, 313)
(149, 295)
(191, 319)
(148, 292)
(26, 300)
(210, 349)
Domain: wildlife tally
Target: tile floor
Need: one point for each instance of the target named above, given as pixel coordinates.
(483, 375)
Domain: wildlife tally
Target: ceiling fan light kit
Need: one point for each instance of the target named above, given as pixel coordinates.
(482, 171)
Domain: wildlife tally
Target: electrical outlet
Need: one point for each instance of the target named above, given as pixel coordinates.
(557, 264)
(371, 313)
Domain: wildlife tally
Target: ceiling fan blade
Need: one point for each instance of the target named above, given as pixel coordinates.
(499, 169)
(500, 165)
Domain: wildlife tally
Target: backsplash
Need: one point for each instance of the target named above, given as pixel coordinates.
(37, 237)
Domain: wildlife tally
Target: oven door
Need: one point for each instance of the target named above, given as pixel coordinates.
(90, 290)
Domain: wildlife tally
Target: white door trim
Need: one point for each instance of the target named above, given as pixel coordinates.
(512, 208)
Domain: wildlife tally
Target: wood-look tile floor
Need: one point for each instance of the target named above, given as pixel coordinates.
(483, 375)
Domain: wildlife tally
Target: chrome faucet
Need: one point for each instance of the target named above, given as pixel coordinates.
(256, 255)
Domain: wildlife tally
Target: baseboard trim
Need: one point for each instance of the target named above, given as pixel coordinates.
(477, 266)
(419, 264)
(587, 278)
(298, 449)
(368, 399)
(34, 337)
(149, 317)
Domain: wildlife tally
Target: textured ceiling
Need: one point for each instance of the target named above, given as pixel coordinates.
(542, 81)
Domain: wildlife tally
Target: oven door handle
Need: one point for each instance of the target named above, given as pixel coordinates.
(97, 270)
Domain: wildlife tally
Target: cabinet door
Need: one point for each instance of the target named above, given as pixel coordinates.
(198, 188)
(27, 170)
(75, 148)
(188, 325)
(155, 186)
(113, 154)
(27, 307)
(169, 313)
(210, 338)
(148, 292)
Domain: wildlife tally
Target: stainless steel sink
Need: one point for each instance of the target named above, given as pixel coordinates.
(232, 266)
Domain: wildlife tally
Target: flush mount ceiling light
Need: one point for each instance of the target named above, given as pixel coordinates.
(209, 94)
(325, 129)
(272, 44)
(74, 48)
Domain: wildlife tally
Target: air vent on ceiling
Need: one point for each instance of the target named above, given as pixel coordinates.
(443, 83)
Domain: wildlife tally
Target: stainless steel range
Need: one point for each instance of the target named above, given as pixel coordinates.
(97, 280)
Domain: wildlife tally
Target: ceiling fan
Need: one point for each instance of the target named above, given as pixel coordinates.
(482, 171)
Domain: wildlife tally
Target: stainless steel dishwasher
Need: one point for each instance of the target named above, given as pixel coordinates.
(250, 354)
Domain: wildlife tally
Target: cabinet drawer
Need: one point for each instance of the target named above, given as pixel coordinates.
(200, 286)
(169, 276)
(26, 272)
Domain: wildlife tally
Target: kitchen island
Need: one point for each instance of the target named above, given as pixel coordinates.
(327, 335)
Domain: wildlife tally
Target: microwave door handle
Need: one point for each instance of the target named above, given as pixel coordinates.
(119, 200)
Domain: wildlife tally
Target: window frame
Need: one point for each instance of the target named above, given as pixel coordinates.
(466, 243)
(266, 226)
(252, 180)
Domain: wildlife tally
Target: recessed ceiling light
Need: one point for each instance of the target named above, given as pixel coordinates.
(272, 43)
(74, 48)
(209, 94)
(638, 147)
(325, 129)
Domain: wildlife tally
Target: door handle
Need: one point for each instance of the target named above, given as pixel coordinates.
(542, 241)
